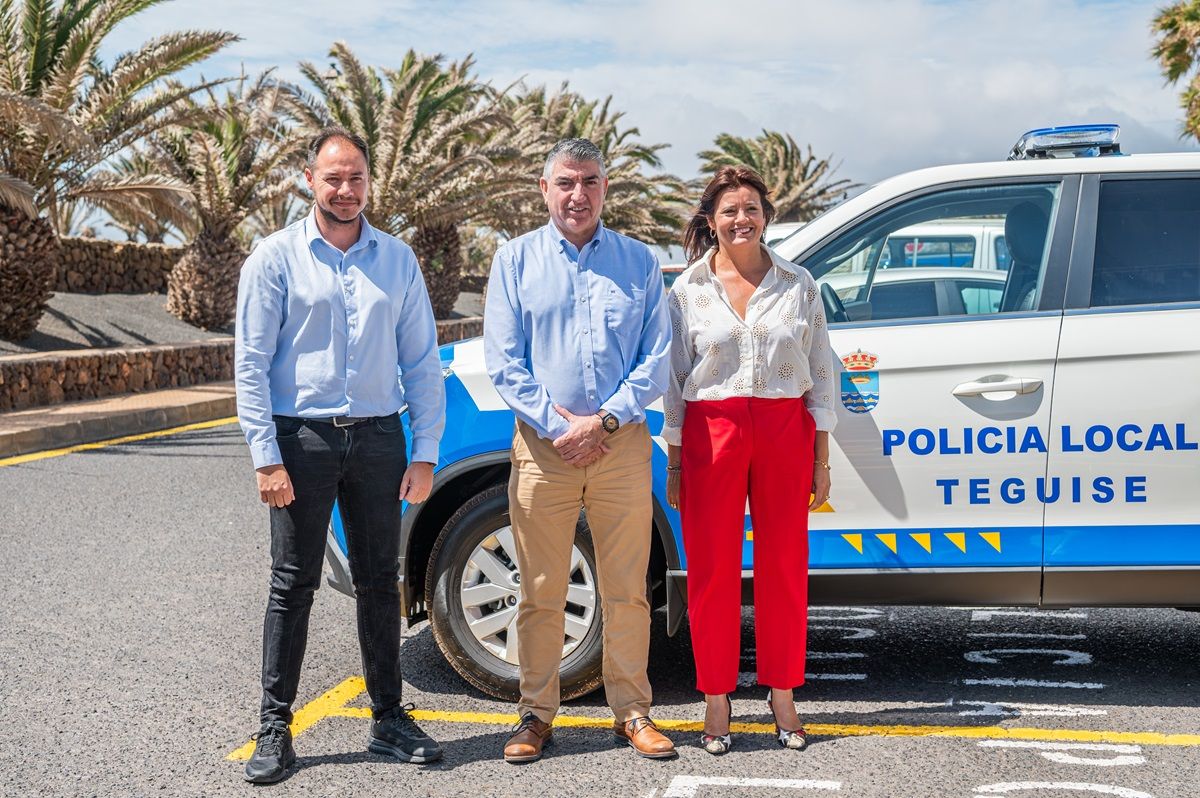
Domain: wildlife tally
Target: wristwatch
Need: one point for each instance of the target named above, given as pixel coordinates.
(610, 422)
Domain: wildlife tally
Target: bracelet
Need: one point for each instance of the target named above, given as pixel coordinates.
(674, 469)
(823, 463)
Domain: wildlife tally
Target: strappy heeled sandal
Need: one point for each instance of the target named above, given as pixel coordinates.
(795, 739)
(717, 744)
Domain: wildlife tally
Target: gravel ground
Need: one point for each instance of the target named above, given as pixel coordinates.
(82, 321)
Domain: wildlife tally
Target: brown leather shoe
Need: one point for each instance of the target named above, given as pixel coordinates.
(528, 739)
(644, 738)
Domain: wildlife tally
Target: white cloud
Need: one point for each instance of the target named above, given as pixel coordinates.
(884, 85)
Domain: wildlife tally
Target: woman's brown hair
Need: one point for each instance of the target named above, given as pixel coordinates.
(698, 237)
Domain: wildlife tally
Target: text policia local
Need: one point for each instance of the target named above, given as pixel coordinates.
(1097, 438)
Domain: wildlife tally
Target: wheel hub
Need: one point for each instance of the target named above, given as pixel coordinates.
(490, 591)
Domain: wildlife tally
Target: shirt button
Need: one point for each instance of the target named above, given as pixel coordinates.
(352, 357)
(589, 365)
(585, 332)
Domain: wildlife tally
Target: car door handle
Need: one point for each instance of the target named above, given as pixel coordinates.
(1014, 384)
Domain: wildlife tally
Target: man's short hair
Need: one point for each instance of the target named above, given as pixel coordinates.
(325, 134)
(578, 150)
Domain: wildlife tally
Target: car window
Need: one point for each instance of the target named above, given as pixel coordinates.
(1147, 242)
(978, 298)
(858, 271)
(904, 300)
(914, 251)
(1002, 256)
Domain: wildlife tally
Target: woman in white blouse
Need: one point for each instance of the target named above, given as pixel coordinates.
(749, 409)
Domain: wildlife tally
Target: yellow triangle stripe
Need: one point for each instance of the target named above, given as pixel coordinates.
(992, 538)
(923, 540)
(959, 539)
(888, 539)
(855, 541)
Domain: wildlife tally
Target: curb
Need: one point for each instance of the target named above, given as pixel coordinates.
(53, 434)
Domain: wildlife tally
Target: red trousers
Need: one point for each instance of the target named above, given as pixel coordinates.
(763, 449)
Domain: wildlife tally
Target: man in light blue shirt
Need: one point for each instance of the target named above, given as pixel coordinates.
(576, 340)
(329, 309)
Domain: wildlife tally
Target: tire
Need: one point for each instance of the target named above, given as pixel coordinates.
(462, 598)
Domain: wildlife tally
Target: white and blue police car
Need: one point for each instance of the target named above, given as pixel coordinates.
(1030, 439)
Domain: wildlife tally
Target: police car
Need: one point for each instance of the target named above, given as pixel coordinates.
(1040, 449)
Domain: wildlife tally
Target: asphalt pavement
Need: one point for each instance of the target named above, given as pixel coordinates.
(135, 578)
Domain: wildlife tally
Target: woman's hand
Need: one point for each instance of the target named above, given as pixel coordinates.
(673, 489)
(820, 486)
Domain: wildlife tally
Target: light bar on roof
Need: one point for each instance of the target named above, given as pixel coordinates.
(1067, 141)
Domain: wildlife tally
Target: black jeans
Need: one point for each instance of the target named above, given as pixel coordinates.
(362, 467)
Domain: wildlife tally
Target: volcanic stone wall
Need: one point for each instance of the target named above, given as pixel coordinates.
(98, 266)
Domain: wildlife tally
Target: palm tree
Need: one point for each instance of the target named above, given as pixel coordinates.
(242, 158)
(63, 115)
(154, 223)
(434, 134)
(641, 203)
(801, 186)
(1178, 53)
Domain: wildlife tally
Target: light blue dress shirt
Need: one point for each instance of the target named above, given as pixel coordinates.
(321, 333)
(586, 328)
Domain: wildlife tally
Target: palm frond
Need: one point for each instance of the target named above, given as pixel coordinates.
(17, 194)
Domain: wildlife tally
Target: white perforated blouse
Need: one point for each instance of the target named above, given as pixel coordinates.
(780, 351)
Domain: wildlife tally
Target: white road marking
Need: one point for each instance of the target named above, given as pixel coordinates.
(856, 632)
(1066, 656)
(1125, 755)
(1022, 786)
(1034, 683)
(1028, 635)
(836, 655)
(987, 615)
(747, 679)
(688, 786)
(1014, 709)
(856, 614)
(1121, 760)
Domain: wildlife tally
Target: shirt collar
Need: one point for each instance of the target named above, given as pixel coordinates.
(367, 236)
(552, 230)
(701, 271)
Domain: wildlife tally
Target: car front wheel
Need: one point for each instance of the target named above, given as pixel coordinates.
(473, 587)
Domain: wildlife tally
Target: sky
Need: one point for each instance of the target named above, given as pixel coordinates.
(880, 87)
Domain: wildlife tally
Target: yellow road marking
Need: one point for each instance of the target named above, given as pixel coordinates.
(86, 447)
(333, 704)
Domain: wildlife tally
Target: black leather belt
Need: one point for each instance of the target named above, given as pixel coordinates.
(345, 421)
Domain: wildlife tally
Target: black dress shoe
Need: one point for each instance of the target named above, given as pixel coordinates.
(396, 734)
(273, 754)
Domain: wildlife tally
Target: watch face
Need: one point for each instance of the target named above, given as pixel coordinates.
(611, 423)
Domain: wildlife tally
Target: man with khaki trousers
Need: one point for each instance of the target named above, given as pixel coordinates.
(576, 340)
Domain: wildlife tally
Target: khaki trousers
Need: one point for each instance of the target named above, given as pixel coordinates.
(545, 495)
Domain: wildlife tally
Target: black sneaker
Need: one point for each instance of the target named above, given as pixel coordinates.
(396, 734)
(273, 754)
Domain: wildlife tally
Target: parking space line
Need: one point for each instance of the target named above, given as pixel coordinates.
(87, 447)
(330, 704)
(334, 704)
